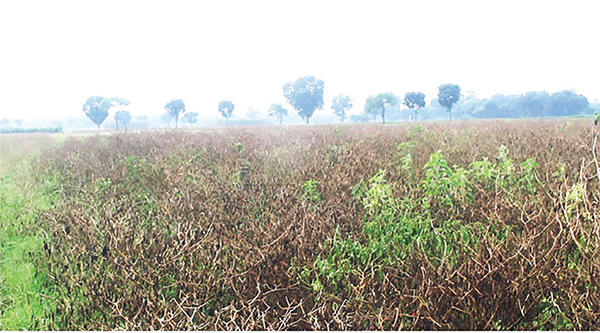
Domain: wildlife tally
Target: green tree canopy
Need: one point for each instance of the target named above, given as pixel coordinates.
(122, 118)
(96, 108)
(448, 95)
(340, 105)
(277, 110)
(226, 109)
(190, 117)
(414, 101)
(305, 95)
(377, 105)
(174, 108)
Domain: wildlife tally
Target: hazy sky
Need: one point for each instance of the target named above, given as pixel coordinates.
(55, 54)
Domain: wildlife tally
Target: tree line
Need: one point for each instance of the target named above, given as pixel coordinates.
(305, 95)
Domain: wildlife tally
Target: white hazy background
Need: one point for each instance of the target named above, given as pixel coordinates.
(55, 54)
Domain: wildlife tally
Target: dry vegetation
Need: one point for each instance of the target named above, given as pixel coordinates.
(321, 227)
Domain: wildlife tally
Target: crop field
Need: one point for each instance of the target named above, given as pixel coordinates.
(477, 225)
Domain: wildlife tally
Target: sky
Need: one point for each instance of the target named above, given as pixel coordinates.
(56, 54)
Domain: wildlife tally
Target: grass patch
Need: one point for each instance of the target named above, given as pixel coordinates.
(24, 291)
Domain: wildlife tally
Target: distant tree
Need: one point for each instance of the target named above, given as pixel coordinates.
(226, 109)
(340, 105)
(174, 108)
(122, 118)
(377, 105)
(167, 118)
(468, 105)
(96, 108)
(448, 95)
(4, 122)
(19, 122)
(190, 117)
(568, 103)
(414, 101)
(278, 110)
(533, 103)
(305, 95)
(120, 103)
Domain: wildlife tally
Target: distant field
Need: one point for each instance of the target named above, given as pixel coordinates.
(474, 225)
(15, 147)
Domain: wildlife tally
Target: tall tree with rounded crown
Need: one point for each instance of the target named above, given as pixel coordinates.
(414, 101)
(226, 109)
(174, 108)
(340, 105)
(448, 95)
(377, 105)
(122, 118)
(96, 108)
(305, 95)
(278, 110)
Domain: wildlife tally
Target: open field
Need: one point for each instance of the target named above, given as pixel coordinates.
(464, 225)
(16, 147)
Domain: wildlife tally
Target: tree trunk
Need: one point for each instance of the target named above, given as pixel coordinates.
(98, 127)
(280, 119)
(383, 116)
(176, 118)
(450, 113)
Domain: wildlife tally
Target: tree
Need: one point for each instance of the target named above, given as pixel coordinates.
(448, 95)
(565, 103)
(414, 101)
(340, 105)
(533, 103)
(122, 118)
(226, 109)
(167, 118)
(96, 108)
(305, 95)
(190, 117)
(4, 123)
(376, 105)
(278, 110)
(174, 108)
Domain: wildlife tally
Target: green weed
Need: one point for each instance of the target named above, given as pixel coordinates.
(25, 292)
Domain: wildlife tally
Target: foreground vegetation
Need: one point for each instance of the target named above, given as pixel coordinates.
(472, 225)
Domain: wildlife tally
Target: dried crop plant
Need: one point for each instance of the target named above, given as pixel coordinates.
(215, 230)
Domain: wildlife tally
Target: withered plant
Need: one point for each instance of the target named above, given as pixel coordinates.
(470, 225)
